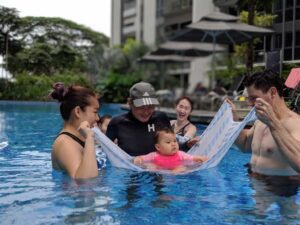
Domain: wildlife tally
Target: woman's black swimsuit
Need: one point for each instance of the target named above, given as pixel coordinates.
(75, 138)
(181, 131)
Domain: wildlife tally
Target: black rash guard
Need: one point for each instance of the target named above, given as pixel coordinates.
(134, 137)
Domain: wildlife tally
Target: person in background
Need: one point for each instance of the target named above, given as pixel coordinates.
(134, 130)
(167, 155)
(103, 122)
(274, 139)
(73, 150)
(185, 131)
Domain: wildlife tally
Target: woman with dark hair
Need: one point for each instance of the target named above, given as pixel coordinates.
(185, 131)
(73, 150)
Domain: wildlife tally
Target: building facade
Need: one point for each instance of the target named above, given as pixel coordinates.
(155, 21)
(287, 28)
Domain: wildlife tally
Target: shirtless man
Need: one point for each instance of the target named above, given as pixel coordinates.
(274, 139)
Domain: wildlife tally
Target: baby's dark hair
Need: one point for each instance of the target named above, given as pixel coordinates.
(265, 80)
(159, 131)
(104, 117)
(71, 97)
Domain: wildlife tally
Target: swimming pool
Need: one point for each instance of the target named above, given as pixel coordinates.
(32, 193)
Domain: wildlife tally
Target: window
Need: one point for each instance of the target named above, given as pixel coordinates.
(297, 38)
(289, 15)
(289, 3)
(268, 43)
(287, 54)
(279, 17)
(159, 8)
(288, 39)
(260, 44)
(298, 13)
(297, 53)
(278, 41)
(278, 4)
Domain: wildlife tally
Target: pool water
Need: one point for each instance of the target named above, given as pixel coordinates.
(32, 193)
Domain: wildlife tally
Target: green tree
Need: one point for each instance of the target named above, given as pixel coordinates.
(245, 51)
(253, 7)
(9, 21)
(120, 70)
(39, 41)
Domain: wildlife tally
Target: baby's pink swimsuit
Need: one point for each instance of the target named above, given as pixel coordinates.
(168, 162)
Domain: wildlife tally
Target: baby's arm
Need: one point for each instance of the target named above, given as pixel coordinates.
(138, 160)
(142, 159)
(200, 159)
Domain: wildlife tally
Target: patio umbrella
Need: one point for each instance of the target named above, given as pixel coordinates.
(190, 49)
(220, 28)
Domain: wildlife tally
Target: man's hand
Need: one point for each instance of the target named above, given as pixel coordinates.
(265, 112)
(233, 109)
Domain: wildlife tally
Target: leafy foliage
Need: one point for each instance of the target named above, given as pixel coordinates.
(41, 45)
(115, 87)
(120, 70)
(29, 87)
(260, 19)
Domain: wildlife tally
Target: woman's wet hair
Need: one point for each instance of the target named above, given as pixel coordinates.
(185, 98)
(71, 97)
(167, 130)
(264, 80)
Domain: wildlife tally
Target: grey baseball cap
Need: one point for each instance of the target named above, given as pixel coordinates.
(142, 94)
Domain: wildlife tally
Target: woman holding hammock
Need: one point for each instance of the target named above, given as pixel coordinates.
(185, 131)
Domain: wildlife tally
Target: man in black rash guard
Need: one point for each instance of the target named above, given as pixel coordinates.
(134, 131)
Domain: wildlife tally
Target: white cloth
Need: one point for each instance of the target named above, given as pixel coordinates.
(214, 142)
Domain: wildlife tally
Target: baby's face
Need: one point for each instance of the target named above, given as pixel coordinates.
(167, 144)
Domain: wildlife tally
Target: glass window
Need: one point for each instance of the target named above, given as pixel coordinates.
(278, 4)
(297, 38)
(279, 17)
(159, 8)
(297, 53)
(289, 3)
(260, 44)
(287, 54)
(268, 43)
(289, 15)
(288, 39)
(298, 13)
(298, 2)
(278, 41)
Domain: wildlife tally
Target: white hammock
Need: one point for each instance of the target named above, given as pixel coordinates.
(214, 142)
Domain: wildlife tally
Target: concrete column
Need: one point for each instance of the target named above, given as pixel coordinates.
(149, 22)
(201, 66)
(116, 22)
(138, 21)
